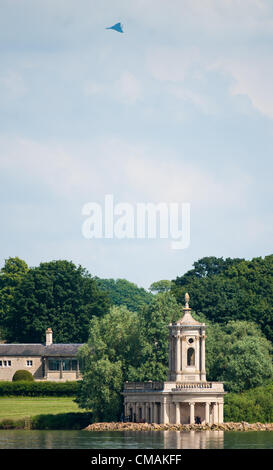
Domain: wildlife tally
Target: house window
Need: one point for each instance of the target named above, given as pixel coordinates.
(29, 363)
(53, 364)
(66, 364)
(74, 364)
(5, 363)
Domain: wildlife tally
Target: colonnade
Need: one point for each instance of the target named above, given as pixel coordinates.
(174, 412)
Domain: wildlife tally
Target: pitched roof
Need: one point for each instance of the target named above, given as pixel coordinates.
(61, 349)
(188, 319)
(21, 349)
(53, 350)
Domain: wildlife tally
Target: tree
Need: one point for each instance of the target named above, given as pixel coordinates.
(154, 321)
(114, 346)
(238, 354)
(11, 275)
(231, 289)
(123, 292)
(56, 294)
(160, 286)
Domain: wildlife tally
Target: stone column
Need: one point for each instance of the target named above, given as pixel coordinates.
(142, 405)
(203, 355)
(221, 413)
(177, 413)
(146, 414)
(152, 412)
(61, 369)
(215, 413)
(163, 417)
(192, 412)
(170, 355)
(178, 353)
(207, 404)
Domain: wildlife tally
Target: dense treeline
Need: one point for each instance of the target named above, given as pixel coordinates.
(123, 292)
(56, 294)
(124, 346)
(253, 406)
(125, 328)
(231, 289)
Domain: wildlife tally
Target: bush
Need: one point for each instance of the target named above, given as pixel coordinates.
(39, 389)
(12, 424)
(22, 375)
(61, 421)
(255, 405)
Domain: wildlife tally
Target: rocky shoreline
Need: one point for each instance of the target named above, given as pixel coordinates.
(242, 426)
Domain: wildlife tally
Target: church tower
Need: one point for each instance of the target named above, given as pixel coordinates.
(186, 397)
(187, 348)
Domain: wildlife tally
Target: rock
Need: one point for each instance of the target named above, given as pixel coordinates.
(231, 426)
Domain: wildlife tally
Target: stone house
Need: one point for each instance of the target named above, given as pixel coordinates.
(49, 361)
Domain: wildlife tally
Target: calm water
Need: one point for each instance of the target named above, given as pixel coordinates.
(17, 439)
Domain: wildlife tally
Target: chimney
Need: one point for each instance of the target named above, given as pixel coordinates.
(49, 339)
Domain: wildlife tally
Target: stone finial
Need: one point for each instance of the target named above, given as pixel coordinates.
(187, 299)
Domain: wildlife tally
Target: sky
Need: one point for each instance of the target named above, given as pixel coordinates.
(177, 109)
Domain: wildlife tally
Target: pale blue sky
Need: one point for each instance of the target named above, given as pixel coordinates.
(177, 109)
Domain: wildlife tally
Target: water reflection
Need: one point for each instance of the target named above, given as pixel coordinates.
(17, 439)
(194, 440)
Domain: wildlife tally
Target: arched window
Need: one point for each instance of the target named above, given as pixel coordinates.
(190, 357)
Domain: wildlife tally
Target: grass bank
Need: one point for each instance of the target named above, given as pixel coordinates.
(42, 413)
(20, 407)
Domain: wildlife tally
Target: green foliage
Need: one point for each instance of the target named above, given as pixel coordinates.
(160, 286)
(124, 346)
(238, 354)
(56, 294)
(123, 292)
(231, 289)
(23, 375)
(61, 421)
(11, 275)
(255, 405)
(12, 424)
(154, 321)
(39, 389)
(114, 344)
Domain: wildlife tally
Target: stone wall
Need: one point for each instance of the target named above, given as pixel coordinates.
(20, 363)
(243, 426)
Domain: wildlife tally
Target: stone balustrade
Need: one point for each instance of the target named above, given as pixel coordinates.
(174, 386)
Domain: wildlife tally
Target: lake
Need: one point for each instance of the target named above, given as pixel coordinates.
(20, 439)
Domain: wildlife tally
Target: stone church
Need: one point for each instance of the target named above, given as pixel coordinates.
(187, 397)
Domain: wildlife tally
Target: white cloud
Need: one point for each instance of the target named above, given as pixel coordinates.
(252, 75)
(254, 78)
(132, 173)
(200, 101)
(171, 64)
